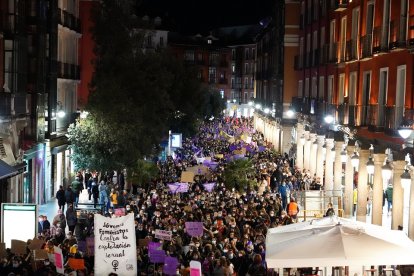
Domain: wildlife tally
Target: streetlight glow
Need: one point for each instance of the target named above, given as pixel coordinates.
(386, 170)
(355, 160)
(329, 119)
(290, 113)
(370, 166)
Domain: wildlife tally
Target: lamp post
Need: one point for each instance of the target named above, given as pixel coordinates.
(406, 185)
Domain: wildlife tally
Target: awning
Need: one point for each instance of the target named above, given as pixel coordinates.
(6, 170)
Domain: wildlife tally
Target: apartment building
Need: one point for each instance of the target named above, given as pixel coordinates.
(355, 62)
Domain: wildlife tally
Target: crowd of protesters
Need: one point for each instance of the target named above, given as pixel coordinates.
(235, 217)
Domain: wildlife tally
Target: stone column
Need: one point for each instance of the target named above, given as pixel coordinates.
(329, 166)
(277, 139)
(299, 146)
(411, 212)
(312, 156)
(362, 186)
(337, 186)
(397, 196)
(378, 190)
(319, 157)
(306, 151)
(349, 184)
(286, 139)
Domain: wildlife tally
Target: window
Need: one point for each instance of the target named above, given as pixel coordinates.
(322, 36)
(222, 94)
(212, 75)
(233, 68)
(161, 41)
(314, 87)
(232, 83)
(306, 94)
(246, 53)
(341, 89)
(200, 57)
(330, 88)
(246, 83)
(246, 68)
(233, 54)
(343, 38)
(251, 83)
(214, 58)
(189, 55)
(352, 88)
(321, 87)
(300, 88)
(253, 53)
(149, 41)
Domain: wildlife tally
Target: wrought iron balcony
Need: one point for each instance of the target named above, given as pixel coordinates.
(68, 71)
(380, 40)
(351, 50)
(398, 30)
(366, 46)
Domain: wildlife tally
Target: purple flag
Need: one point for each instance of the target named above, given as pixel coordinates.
(233, 147)
(170, 265)
(261, 148)
(178, 187)
(238, 156)
(194, 229)
(154, 246)
(212, 165)
(157, 256)
(209, 186)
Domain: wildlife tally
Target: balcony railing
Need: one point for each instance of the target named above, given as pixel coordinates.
(338, 5)
(380, 40)
(68, 71)
(393, 118)
(366, 46)
(351, 50)
(398, 30)
(68, 20)
(376, 115)
(333, 53)
(410, 41)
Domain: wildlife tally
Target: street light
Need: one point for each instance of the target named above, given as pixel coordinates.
(329, 119)
(406, 180)
(344, 156)
(258, 106)
(333, 153)
(370, 166)
(386, 171)
(355, 160)
(290, 113)
(61, 113)
(250, 103)
(266, 110)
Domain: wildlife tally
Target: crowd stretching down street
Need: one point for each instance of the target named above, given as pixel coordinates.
(235, 216)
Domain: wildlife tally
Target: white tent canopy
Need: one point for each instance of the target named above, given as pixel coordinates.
(334, 241)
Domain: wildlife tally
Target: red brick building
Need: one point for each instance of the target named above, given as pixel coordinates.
(355, 61)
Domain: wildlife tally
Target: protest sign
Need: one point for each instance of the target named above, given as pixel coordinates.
(188, 209)
(115, 245)
(40, 254)
(36, 244)
(170, 265)
(194, 228)
(76, 263)
(219, 156)
(18, 247)
(163, 234)
(195, 268)
(178, 187)
(157, 255)
(90, 246)
(119, 212)
(59, 260)
(187, 176)
(209, 186)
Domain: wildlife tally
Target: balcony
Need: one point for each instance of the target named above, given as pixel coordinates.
(298, 62)
(366, 46)
(410, 39)
(333, 53)
(393, 118)
(5, 104)
(380, 40)
(68, 20)
(315, 57)
(68, 71)
(376, 117)
(351, 50)
(398, 29)
(338, 5)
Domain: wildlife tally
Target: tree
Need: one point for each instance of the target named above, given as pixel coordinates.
(238, 174)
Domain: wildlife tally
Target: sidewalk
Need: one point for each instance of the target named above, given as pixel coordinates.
(50, 209)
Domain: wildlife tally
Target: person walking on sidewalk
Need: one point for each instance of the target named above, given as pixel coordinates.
(71, 219)
(60, 196)
(69, 196)
(95, 193)
(77, 187)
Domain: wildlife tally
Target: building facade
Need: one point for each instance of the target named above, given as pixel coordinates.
(209, 55)
(355, 62)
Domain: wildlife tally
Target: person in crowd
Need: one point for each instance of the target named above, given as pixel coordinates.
(95, 193)
(330, 211)
(59, 221)
(388, 194)
(293, 209)
(77, 188)
(69, 195)
(61, 199)
(71, 218)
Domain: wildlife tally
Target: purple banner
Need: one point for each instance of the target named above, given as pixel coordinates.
(82, 246)
(178, 187)
(233, 147)
(238, 156)
(209, 186)
(154, 246)
(194, 229)
(261, 148)
(157, 256)
(170, 265)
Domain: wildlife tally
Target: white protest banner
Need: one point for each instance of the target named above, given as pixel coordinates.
(59, 260)
(115, 247)
(163, 234)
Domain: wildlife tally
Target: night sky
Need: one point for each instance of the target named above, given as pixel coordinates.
(200, 16)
